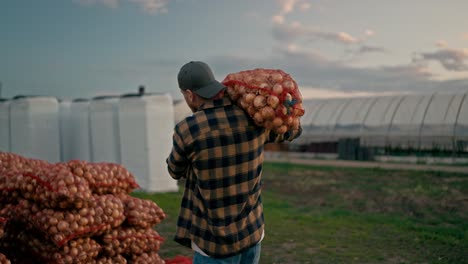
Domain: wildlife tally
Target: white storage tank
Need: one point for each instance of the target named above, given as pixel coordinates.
(146, 127)
(74, 129)
(64, 124)
(4, 125)
(80, 130)
(104, 129)
(181, 110)
(34, 127)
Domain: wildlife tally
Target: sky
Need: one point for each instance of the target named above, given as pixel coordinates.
(332, 48)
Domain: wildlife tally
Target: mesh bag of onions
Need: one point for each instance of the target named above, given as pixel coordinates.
(104, 177)
(62, 226)
(74, 212)
(270, 96)
(80, 250)
(145, 258)
(130, 241)
(11, 165)
(51, 186)
(141, 213)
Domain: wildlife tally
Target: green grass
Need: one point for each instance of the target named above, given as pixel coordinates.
(341, 215)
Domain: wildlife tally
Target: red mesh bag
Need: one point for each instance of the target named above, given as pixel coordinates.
(104, 178)
(270, 96)
(52, 186)
(179, 260)
(80, 250)
(62, 226)
(10, 165)
(141, 213)
(130, 241)
(152, 257)
(10, 161)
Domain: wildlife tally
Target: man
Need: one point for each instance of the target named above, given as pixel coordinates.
(219, 152)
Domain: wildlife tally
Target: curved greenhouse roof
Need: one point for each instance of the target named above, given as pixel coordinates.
(419, 121)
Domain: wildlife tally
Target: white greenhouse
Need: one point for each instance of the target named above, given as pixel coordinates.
(416, 122)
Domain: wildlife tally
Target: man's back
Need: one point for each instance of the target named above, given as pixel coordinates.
(221, 210)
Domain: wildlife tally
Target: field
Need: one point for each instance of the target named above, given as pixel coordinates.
(351, 215)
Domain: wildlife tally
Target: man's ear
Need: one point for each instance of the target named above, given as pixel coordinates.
(190, 95)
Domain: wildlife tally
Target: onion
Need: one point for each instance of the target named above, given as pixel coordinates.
(78, 171)
(251, 110)
(282, 129)
(248, 97)
(258, 118)
(259, 101)
(273, 101)
(289, 120)
(288, 85)
(243, 103)
(282, 110)
(298, 110)
(248, 78)
(295, 124)
(232, 93)
(277, 122)
(240, 89)
(267, 113)
(264, 92)
(62, 226)
(277, 77)
(277, 89)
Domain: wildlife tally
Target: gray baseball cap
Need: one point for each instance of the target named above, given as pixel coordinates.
(198, 77)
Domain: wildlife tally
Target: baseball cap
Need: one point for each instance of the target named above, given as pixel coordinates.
(198, 77)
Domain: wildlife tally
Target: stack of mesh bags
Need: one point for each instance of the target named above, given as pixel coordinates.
(74, 212)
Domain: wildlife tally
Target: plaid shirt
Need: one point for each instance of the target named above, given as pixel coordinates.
(219, 150)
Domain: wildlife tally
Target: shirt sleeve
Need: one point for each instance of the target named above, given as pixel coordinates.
(177, 162)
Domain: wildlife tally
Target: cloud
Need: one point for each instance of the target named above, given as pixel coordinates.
(369, 32)
(289, 32)
(148, 6)
(288, 6)
(451, 59)
(441, 44)
(312, 69)
(152, 6)
(371, 49)
(343, 37)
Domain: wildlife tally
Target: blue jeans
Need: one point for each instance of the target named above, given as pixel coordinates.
(250, 256)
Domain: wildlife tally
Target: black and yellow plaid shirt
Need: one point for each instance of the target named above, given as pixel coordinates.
(219, 150)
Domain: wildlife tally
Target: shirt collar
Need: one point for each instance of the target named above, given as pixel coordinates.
(216, 103)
